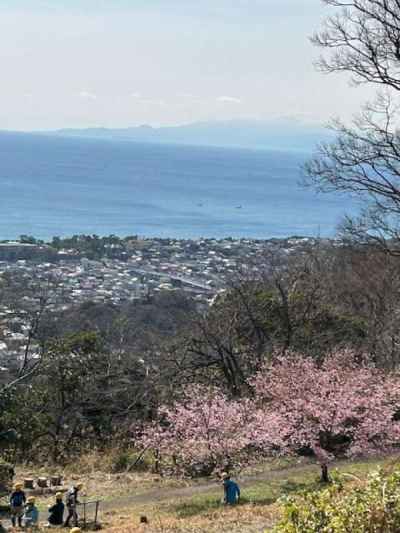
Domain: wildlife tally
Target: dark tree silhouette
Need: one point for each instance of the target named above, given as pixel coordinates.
(363, 39)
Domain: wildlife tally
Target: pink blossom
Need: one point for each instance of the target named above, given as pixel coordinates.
(339, 407)
(204, 427)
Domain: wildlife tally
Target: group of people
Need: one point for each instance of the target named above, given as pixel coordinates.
(23, 510)
(25, 514)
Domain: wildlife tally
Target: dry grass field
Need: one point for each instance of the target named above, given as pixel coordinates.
(175, 505)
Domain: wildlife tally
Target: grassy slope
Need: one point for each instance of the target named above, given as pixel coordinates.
(258, 511)
(175, 506)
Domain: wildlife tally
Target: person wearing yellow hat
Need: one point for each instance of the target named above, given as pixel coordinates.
(31, 514)
(72, 503)
(56, 511)
(231, 490)
(17, 502)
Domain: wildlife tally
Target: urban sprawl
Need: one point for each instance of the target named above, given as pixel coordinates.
(141, 268)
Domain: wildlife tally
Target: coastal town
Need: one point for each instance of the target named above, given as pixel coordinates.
(199, 267)
(134, 270)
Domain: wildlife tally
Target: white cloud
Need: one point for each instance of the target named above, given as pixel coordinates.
(229, 100)
(86, 95)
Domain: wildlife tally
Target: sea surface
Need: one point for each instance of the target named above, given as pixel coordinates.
(62, 186)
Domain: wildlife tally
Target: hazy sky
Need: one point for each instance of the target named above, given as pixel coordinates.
(114, 63)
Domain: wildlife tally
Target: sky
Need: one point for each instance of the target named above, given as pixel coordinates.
(119, 63)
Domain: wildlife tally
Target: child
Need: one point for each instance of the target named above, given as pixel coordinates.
(56, 511)
(17, 502)
(31, 514)
(72, 503)
(231, 490)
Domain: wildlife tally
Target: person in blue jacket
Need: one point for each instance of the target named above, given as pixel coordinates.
(231, 490)
(17, 503)
(31, 514)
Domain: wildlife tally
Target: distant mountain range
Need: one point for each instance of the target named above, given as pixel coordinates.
(283, 134)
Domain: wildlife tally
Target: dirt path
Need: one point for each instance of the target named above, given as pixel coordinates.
(169, 494)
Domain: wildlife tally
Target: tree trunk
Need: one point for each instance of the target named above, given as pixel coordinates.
(28, 483)
(324, 473)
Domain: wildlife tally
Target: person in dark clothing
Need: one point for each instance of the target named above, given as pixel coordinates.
(72, 503)
(231, 490)
(17, 503)
(56, 511)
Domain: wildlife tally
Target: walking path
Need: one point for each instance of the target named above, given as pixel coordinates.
(169, 494)
(214, 487)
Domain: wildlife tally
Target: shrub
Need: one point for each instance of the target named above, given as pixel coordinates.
(6, 476)
(121, 462)
(370, 507)
(129, 460)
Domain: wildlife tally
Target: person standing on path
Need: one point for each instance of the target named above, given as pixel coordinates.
(72, 503)
(231, 490)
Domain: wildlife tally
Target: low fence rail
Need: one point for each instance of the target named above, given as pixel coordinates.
(85, 516)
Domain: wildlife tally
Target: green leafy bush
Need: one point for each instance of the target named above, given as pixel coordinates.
(356, 507)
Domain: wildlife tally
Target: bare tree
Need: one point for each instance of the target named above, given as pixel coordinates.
(363, 39)
(31, 301)
(286, 303)
(365, 284)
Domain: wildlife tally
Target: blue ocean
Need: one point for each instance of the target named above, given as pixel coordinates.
(52, 185)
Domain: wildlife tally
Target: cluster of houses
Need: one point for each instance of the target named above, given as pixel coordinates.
(199, 267)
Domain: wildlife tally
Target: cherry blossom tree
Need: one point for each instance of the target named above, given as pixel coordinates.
(202, 431)
(340, 407)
